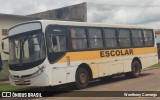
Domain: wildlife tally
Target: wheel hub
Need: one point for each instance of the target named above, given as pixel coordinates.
(83, 78)
(136, 70)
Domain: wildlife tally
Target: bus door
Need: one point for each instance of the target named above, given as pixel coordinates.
(56, 43)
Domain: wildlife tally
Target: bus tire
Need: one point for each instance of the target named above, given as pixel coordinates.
(136, 70)
(82, 78)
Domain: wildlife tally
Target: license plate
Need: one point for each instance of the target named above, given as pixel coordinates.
(21, 81)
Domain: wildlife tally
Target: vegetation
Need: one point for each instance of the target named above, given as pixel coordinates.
(4, 73)
(12, 88)
(155, 66)
(4, 76)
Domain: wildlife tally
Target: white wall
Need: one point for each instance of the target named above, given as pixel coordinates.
(6, 23)
(158, 38)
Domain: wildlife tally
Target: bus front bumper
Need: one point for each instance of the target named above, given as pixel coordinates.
(41, 80)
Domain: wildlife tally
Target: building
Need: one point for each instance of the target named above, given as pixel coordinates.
(157, 32)
(7, 21)
(76, 12)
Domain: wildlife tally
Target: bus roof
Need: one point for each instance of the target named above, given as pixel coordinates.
(88, 24)
(92, 24)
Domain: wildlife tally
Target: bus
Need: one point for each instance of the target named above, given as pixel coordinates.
(51, 53)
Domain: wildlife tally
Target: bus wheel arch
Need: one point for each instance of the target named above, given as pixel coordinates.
(83, 76)
(137, 59)
(136, 67)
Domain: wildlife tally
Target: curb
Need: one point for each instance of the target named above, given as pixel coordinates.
(151, 68)
(4, 83)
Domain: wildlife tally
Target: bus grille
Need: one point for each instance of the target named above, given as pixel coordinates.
(25, 82)
(24, 76)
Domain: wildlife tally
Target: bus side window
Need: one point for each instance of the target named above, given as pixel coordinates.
(79, 38)
(137, 38)
(58, 43)
(73, 35)
(148, 37)
(124, 38)
(95, 38)
(56, 39)
(110, 38)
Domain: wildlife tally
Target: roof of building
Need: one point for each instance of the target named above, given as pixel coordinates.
(17, 16)
(47, 11)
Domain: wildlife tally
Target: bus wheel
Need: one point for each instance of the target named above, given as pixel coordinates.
(136, 70)
(82, 78)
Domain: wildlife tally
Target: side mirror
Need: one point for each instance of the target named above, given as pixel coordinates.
(5, 46)
(54, 40)
(2, 45)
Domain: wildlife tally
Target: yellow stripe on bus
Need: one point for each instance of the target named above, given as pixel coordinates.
(91, 55)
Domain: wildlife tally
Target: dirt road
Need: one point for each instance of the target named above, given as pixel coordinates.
(149, 81)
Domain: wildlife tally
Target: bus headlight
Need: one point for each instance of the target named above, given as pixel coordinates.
(37, 73)
(11, 76)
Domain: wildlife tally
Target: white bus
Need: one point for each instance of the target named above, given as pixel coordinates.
(50, 53)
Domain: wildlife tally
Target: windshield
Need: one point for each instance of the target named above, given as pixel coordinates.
(26, 47)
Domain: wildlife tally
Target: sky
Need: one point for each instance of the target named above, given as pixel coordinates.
(134, 12)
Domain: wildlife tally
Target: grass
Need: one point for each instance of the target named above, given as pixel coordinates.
(8, 88)
(4, 73)
(155, 66)
(13, 88)
(4, 76)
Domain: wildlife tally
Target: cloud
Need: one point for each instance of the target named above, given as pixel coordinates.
(125, 11)
(108, 11)
(25, 7)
